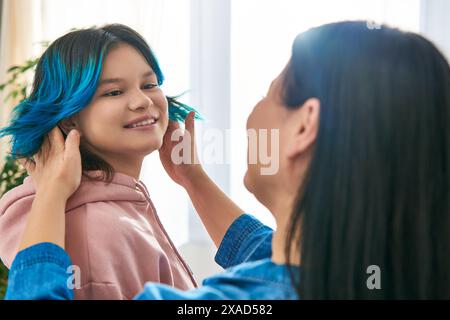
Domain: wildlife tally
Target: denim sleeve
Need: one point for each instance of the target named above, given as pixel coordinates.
(39, 273)
(158, 291)
(247, 239)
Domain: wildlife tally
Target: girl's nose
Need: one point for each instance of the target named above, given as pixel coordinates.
(140, 101)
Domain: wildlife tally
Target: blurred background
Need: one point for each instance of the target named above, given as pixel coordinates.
(224, 54)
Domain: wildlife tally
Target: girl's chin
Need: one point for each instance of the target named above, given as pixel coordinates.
(151, 149)
(143, 149)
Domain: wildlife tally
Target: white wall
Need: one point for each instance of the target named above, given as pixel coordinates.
(435, 23)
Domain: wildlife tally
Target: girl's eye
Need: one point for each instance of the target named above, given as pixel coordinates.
(116, 93)
(150, 86)
(113, 93)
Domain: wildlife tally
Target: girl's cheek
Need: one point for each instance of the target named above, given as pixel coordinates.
(165, 104)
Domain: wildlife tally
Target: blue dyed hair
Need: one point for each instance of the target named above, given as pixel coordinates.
(65, 81)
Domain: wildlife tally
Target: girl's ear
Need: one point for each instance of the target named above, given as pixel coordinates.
(67, 124)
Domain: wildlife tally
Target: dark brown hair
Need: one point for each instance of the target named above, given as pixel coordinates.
(377, 189)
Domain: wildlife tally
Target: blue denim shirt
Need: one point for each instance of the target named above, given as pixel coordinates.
(40, 271)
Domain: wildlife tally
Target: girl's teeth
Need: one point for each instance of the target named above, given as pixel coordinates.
(143, 123)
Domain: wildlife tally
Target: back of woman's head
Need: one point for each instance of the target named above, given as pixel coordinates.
(65, 81)
(377, 188)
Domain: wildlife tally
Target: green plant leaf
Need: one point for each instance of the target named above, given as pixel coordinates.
(13, 68)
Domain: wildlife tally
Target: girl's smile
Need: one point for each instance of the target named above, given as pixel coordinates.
(142, 123)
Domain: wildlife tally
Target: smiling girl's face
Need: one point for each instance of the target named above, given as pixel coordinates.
(128, 115)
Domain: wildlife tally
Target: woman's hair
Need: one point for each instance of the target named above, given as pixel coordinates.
(377, 189)
(65, 81)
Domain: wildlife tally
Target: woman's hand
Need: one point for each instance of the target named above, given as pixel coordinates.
(179, 156)
(57, 165)
(56, 173)
(213, 206)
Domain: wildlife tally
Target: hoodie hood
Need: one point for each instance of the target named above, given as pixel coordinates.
(16, 204)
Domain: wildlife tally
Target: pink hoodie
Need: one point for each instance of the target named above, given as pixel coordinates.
(113, 234)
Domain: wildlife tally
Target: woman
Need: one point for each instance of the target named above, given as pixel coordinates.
(363, 118)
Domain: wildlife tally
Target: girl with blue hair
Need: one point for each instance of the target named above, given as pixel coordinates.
(104, 82)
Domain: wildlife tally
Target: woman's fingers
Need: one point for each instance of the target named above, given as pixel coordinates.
(56, 141)
(52, 145)
(42, 154)
(72, 145)
(172, 126)
(190, 130)
(190, 124)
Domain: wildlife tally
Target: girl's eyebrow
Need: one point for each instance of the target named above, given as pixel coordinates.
(116, 80)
